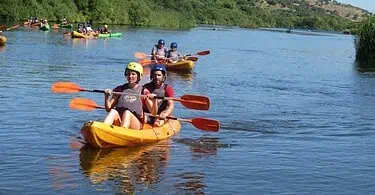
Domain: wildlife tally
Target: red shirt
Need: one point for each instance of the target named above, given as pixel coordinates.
(149, 88)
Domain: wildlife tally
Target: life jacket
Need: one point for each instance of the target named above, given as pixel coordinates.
(173, 55)
(130, 102)
(160, 52)
(161, 93)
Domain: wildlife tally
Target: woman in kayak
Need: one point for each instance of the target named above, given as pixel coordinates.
(158, 87)
(173, 55)
(159, 51)
(126, 109)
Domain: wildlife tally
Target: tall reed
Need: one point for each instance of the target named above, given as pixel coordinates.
(365, 43)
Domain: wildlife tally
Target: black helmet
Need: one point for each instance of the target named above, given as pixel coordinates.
(161, 42)
(173, 45)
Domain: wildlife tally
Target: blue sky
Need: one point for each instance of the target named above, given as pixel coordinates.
(368, 5)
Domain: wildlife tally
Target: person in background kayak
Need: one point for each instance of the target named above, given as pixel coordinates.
(88, 28)
(159, 51)
(35, 20)
(81, 29)
(44, 23)
(173, 55)
(126, 110)
(64, 22)
(103, 30)
(158, 87)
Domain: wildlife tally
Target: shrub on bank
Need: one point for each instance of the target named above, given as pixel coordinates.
(365, 42)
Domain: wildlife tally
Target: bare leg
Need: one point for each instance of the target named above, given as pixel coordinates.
(112, 117)
(130, 121)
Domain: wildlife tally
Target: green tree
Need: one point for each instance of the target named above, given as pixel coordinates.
(139, 13)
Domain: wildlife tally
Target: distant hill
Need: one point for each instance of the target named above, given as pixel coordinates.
(329, 6)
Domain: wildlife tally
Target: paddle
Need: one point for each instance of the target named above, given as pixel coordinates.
(146, 62)
(190, 101)
(191, 58)
(141, 55)
(84, 104)
(13, 27)
(200, 123)
(201, 53)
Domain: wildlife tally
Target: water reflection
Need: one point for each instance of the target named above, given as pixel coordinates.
(77, 42)
(178, 79)
(130, 169)
(192, 182)
(3, 48)
(364, 66)
(203, 147)
(186, 76)
(67, 36)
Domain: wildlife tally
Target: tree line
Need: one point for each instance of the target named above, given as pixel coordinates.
(175, 13)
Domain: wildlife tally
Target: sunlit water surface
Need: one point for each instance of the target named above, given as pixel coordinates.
(296, 116)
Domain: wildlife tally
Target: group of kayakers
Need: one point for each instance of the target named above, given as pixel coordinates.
(86, 29)
(34, 21)
(160, 53)
(128, 108)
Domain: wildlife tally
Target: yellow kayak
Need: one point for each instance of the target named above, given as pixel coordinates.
(76, 34)
(185, 65)
(102, 135)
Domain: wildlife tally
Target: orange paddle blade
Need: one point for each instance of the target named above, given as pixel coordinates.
(140, 55)
(206, 124)
(55, 26)
(145, 62)
(203, 53)
(83, 104)
(196, 102)
(192, 58)
(65, 87)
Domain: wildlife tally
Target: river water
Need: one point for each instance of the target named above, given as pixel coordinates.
(297, 117)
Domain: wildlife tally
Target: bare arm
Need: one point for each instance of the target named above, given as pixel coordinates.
(170, 107)
(110, 102)
(149, 102)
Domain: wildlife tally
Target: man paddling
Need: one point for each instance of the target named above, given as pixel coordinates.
(158, 87)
